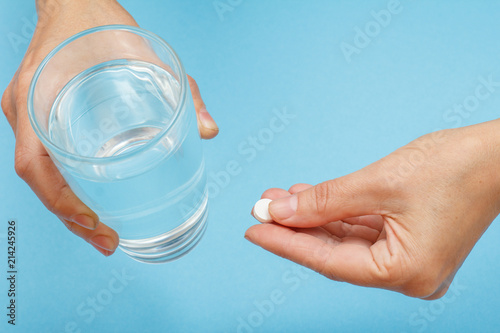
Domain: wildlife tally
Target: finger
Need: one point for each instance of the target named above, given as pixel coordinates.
(34, 166)
(103, 238)
(206, 124)
(85, 223)
(350, 261)
(274, 193)
(298, 188)
(45, 180)
(320, 233)
(372, 221)
(277, 193)
(353, 195)
(48, 184)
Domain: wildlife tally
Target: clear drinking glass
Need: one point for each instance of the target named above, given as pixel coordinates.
(113, 108)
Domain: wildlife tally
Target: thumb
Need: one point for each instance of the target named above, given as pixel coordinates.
(206, 124)
(357, 194)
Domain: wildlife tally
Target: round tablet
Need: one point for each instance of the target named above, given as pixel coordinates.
(261, 211)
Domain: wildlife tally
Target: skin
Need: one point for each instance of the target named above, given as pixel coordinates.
(32, 163)
(404, 223)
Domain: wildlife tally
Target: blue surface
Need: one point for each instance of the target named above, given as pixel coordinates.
(259, 57)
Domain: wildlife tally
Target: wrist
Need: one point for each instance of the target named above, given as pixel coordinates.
(487, 144)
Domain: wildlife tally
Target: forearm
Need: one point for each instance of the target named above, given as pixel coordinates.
(60, 19)
(75, 10)
(53, 5)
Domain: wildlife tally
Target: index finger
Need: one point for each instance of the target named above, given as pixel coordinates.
(351, 262)
(34, 166)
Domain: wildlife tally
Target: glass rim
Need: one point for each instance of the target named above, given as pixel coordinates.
(98, 160)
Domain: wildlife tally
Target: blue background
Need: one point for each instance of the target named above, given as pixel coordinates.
(259, 57)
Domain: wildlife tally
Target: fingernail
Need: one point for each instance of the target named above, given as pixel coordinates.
(284, 208)
(85, 221)
(104, 242)
(106, 253)
(206, 120)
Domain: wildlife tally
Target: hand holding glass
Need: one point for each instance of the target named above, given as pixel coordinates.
(113, 108)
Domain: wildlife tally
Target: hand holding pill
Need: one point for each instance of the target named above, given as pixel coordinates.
(375, 227)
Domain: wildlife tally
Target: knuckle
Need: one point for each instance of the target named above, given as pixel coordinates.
(76, 230)
(57, 203)
(69, 225)
(298, 187)
(22, 163)
(323, 194)
(6, 104)
(20, 168)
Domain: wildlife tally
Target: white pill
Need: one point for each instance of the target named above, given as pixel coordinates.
(261, 211)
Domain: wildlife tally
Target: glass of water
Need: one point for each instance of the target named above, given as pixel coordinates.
(112, 107)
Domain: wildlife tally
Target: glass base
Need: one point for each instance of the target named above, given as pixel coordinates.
(170, 245)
